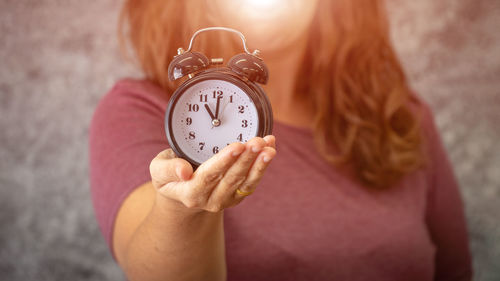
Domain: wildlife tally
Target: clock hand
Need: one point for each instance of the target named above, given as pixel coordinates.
(210, 112)
(215, 121)
(217, 108)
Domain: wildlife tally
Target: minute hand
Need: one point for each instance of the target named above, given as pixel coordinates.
(217, 108)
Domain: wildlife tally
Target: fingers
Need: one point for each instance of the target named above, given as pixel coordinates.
(237, 174)
(167, 154)
(212, 187)
(256, 172)
(208, 174)
(166, 167)
(270, 141)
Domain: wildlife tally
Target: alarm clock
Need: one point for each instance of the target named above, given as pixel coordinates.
(217, 105)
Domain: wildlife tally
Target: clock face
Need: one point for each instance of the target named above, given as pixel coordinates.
(209, 115)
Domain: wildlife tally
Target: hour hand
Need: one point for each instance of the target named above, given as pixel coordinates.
(210, 112)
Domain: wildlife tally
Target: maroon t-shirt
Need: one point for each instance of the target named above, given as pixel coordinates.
(306, 221)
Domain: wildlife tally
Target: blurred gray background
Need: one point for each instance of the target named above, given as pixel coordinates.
(57, 58)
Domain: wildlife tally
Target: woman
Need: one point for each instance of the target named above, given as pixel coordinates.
(361, 188)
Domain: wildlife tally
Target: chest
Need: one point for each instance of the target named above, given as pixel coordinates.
(307, 222)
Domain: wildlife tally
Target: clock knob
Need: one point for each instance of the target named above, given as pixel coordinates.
(187, 63)
(250, 67)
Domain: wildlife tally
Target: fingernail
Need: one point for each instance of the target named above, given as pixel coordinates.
(255, 149)
(236, 153)
(266, 158)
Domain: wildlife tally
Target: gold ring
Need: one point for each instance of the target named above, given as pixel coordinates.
(243, 193)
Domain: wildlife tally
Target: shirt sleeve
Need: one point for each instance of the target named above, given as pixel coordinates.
(126, 133)
(445, 211)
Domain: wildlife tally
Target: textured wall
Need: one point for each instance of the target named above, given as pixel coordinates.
(58, 57)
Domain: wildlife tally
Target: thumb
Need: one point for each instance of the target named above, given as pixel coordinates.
(166, 168)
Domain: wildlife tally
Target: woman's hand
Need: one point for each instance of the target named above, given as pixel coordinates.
(213, 187)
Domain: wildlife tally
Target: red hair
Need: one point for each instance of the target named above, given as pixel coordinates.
(353, 79)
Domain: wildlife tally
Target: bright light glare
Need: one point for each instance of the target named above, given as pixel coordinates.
(262, 3)
(262, 9)
(269, 24)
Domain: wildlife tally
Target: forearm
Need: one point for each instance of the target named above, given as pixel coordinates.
(172, 244)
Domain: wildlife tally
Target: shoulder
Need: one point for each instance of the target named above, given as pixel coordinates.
(438, 168)
(431, 146)
(129, 99)
(132, 92)
(128, 117)
(137, 86)
(423, 112)
(425, 116)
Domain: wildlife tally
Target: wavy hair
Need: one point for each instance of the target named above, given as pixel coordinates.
(365, 112)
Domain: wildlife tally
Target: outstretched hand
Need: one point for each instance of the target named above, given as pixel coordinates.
(220, 182)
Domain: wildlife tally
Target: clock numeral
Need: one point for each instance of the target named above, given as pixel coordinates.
(193, 107)
(202, 145)
(231, 99)
(217, 94)
(192, 135)
(244, 123)
(189, 121)
(240, 137)
(241, 109)
(203, 98)
(215, 149)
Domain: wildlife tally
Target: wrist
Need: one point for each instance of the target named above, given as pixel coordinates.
(167, 213)
(164, 206)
